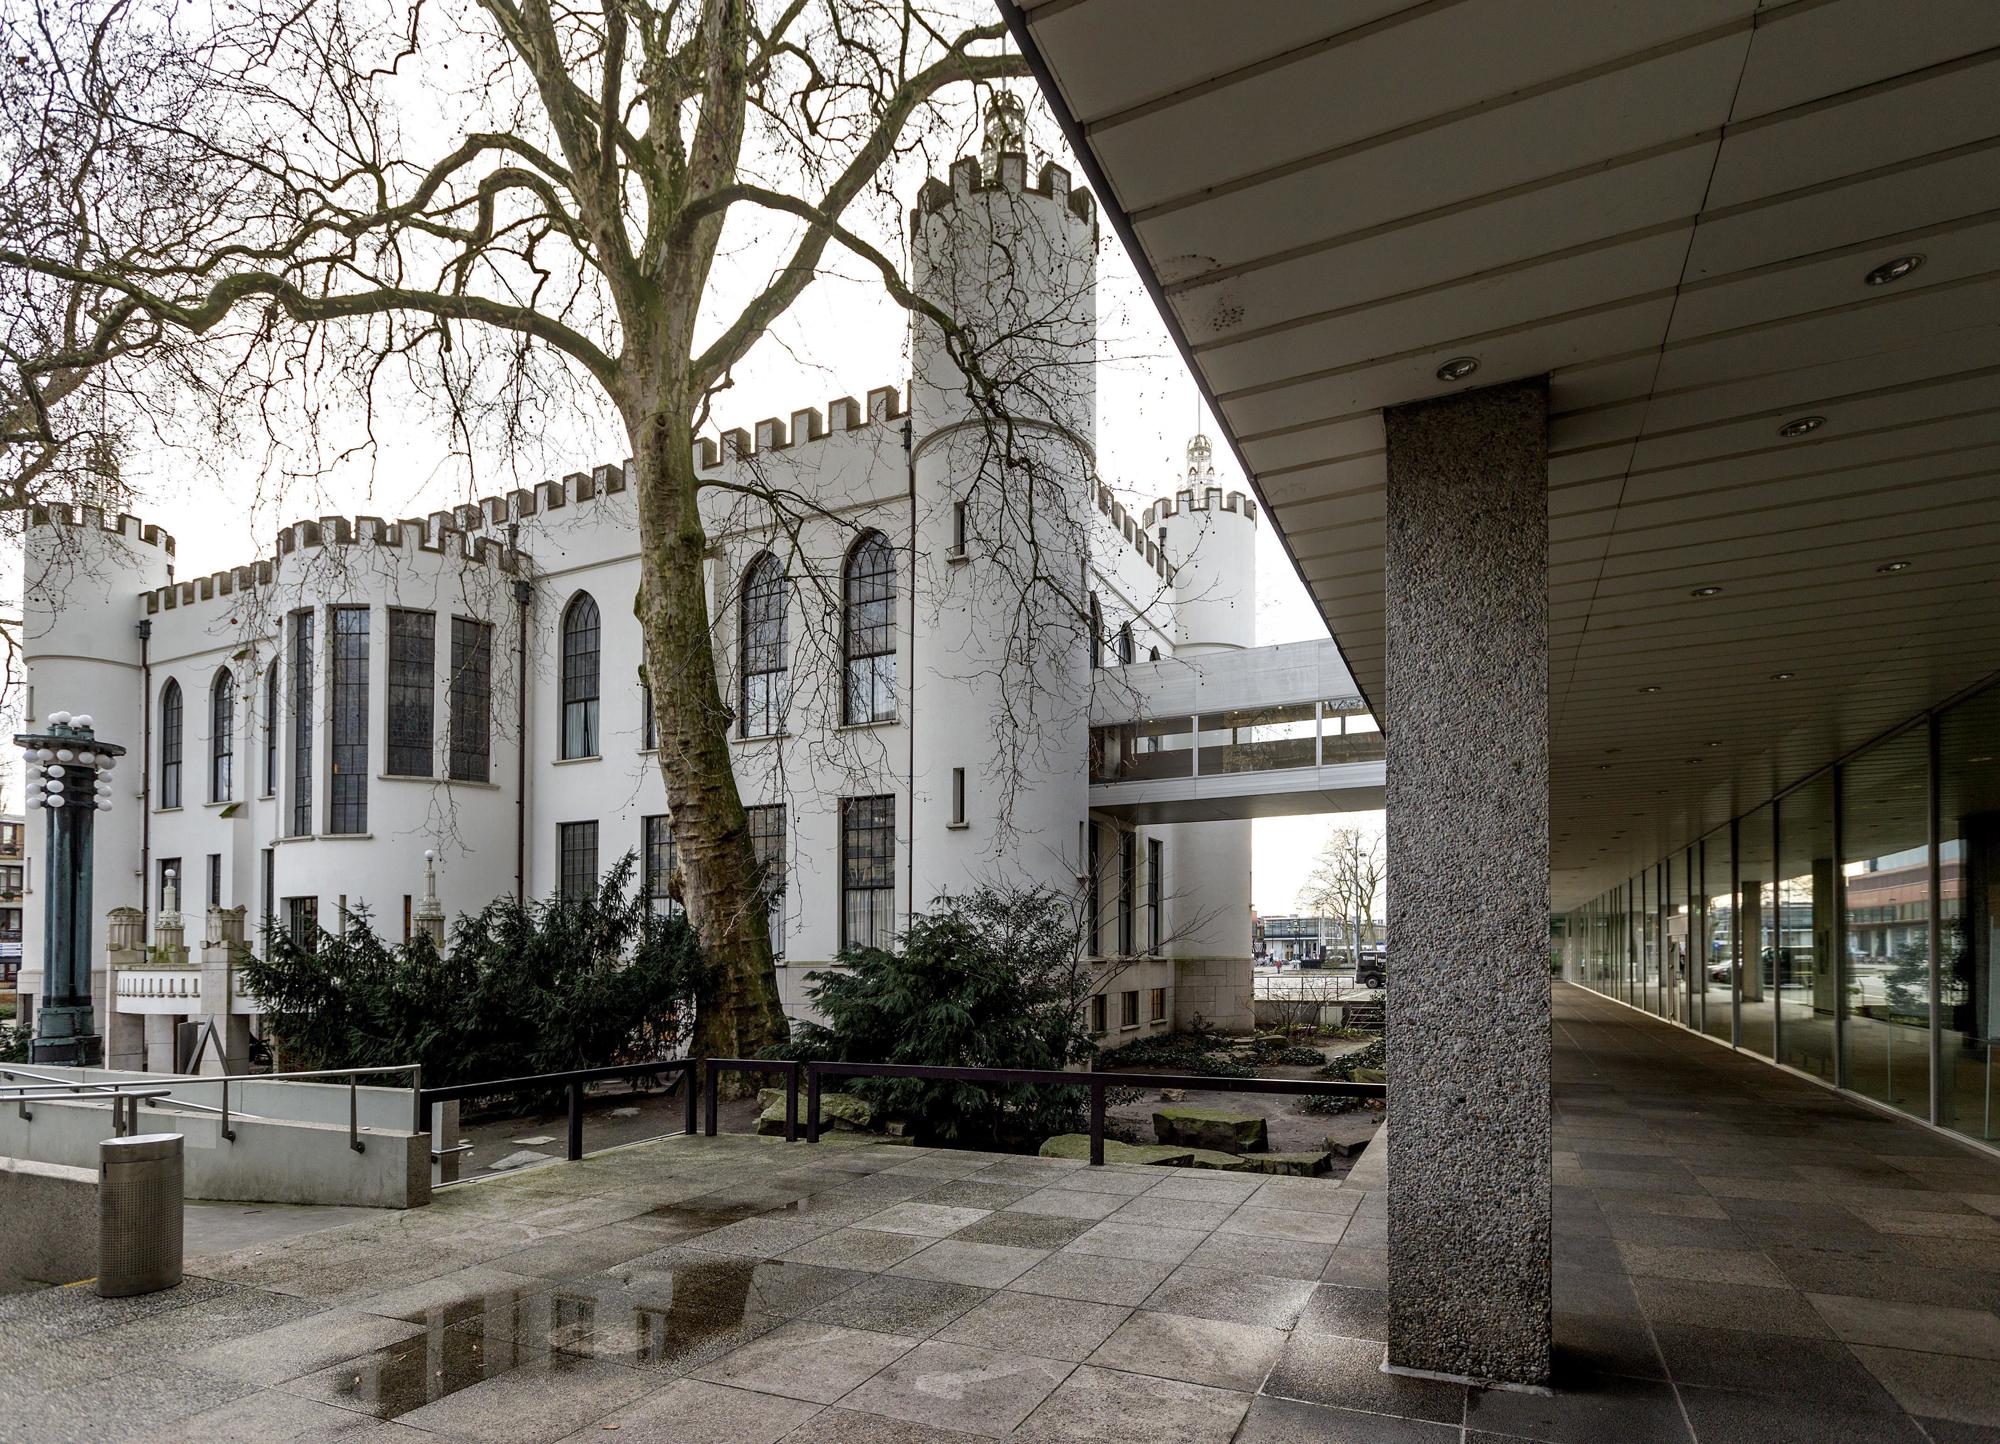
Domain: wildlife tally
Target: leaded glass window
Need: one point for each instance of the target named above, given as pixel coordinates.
(222, 737)
(764, 664)
(471, 700)
(273, 704)
(302, 723)
(170, 744)
(347, 722)
(581, 639)
(867, 871)
(767, 840)
(577, 850)
(662, 863)
(869, 631)
(412, 691)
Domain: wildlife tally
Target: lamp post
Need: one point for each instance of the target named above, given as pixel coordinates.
(67, 767)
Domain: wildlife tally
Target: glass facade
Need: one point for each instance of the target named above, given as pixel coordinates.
(1847, 929)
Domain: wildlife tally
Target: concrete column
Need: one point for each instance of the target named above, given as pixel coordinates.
(1468, 842)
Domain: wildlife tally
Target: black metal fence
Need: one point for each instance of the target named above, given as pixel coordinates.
(572, 1083)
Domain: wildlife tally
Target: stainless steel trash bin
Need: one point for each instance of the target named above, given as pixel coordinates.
(139, 1192)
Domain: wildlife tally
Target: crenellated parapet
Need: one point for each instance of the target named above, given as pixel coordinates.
(1009, 173)
(1133, 532)
(123, 524)
(1205, 498)
(885, 404)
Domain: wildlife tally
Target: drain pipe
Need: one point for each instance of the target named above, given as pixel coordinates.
(524, 595)
(145, 770)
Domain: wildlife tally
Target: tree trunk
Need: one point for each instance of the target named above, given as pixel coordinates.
(720, 884)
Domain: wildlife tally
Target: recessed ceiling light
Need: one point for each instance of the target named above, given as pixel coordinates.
(1604, 767)
(1715, 744)
(1706, 592)
(1893, 567)
(1649, 689)
(1783, 676)
(1894, 270)
(1458, 368)
(1802, 425)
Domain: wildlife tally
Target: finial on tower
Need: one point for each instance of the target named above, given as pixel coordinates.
(1200, 457)
(1006, 130)
(428, 914)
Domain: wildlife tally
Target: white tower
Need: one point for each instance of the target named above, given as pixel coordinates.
(1003, 423)
(1210, 537)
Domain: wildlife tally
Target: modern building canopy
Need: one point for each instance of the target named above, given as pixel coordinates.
(1752, 246)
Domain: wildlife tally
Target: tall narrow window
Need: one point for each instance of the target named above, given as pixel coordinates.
(958, 797)
(649, 720)
(412, 691)
(1127, 652)
(767, 840)
(1156, 893)
(170, 744)
(1128, 895)
(1096, 632)
(302, 725)
(869, 631)
(273, 705)
(581, 636)
(174, 881)
(347, 739)
(222, 737)
(662, 864)
(471, 700)
(269, 900)
(215, 879)
(958, 528)
(764, 665)
(867, 871)
(577, 854)
(1093, 904)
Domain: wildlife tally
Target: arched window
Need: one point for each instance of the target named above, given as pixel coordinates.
(1096, 632)
(222, 737)
(1127, 653)
(170, 744)
(764, 667)
(580, 639)
(868, 628)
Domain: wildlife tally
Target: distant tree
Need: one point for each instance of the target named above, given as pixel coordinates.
(1346, 883)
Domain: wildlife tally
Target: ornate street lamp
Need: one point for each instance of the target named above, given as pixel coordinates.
(67, 769)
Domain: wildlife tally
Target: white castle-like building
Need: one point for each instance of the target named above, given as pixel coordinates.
(911, 604)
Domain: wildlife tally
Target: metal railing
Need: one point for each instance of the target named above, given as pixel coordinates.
(714, 1068)
(124, 1098)
(1097, 1083)
(572, 1082)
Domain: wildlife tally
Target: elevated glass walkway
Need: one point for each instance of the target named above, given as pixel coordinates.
(1256, 732)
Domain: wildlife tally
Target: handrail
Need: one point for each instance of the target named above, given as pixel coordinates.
(714, 1068)
(1097, 1083)
(571, 1081)
(120, 1095)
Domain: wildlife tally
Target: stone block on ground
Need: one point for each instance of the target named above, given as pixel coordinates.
(1077, 1145)
(836, 1110)
(1224, 1162)
(1214, 1128)
(1288, 1165)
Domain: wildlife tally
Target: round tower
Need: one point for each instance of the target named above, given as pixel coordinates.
(86, 576)
(1209, 536)
(1003, 423)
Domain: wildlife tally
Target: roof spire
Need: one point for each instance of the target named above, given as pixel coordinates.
(1006, 130)
(1200, 458)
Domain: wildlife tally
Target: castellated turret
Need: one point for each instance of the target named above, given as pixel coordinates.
(1209, 536)
(1003, 434)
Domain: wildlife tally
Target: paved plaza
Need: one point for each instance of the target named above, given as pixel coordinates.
(1740, 1257)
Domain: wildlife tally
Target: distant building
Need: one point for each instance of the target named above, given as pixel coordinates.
(13, 896)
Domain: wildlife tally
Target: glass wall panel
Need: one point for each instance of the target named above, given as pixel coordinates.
(1886, 885)
(1809, 999)
(1674, 938)
(1716, 977)
(1969, 913)
(1644, 933)
(1758, 893)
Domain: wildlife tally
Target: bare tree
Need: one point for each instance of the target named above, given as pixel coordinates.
(546, 190)
(1346, 883)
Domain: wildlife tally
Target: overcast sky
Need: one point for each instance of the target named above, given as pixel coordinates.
(842, 338)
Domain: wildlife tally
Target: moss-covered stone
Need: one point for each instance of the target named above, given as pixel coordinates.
(1223, 1162)
(1077, 1146)
(1289, 1165)
(1213, 1128)
(836, 1110)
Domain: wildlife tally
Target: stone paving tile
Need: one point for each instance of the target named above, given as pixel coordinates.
(302, 1347)
(1113, 1239)
(1205, 1293)
(817, 1362)
(1350, 1313)
(888, 1304)
(859, 1248)
(1347, 1373)
(986, 1265)
(1727, 1416)
(930, 1220)
(1069, 1203)
(1291, 1421)
(1024, 1230)
(1941, 1386)
(693, 1411)
(1589, 1411)
(1103, 1406)
(1094, 1280)
(1293, 1223)
(850, 1426)
(136, 1405)
(270, 1415)
(1194, 1351)
(1111, 1179)
(1765, 1364)
(958, 1386)
(1182, 1213)
(1931, 1328)
(765, 1237)
(1741, 1267)
(1281, 1258)
(976, 1192)
(1033, 1324)
(541, 1400)
(1206, 1186)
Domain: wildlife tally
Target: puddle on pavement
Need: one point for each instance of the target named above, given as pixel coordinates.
(439, 1362)
(701, 1220)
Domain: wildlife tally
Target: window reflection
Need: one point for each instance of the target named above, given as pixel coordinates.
(1809, 997)
(1969, 914)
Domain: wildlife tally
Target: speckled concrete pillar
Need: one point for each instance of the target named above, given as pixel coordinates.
(1468, 841)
